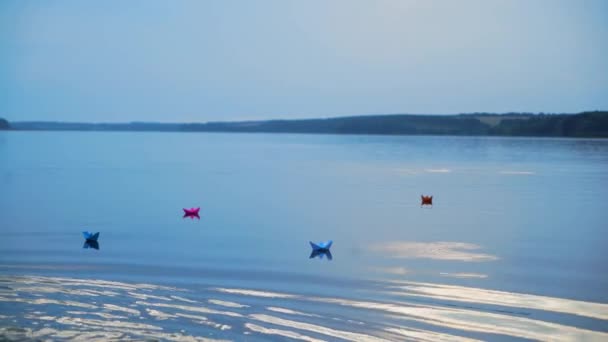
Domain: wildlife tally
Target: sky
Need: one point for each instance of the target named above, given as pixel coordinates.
(196, 61)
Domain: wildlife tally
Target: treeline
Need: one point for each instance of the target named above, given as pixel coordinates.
(376, 124)
(590, 124)
(587, 124)
(4, 124)
(81, 126)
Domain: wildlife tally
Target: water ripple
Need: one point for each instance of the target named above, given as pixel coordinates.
(35, 307)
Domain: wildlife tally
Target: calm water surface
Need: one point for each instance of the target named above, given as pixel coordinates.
(513, 248)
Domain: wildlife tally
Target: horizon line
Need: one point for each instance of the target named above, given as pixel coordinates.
(299, 119)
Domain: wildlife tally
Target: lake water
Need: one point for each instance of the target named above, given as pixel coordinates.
(513, 248)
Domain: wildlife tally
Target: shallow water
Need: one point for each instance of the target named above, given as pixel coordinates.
(513, 247)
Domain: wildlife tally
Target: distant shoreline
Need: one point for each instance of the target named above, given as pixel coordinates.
(581, 125)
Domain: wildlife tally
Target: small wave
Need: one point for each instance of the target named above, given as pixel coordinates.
(463, 275)
(423, 311)
(438, 170)
(441, 250)
(517, 173)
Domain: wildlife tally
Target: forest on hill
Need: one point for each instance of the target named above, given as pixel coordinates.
(586, 124)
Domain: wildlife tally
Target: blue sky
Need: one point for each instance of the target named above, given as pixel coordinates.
(106, 60)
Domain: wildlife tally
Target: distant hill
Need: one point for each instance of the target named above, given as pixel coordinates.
(587, 124)
(4, 124)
